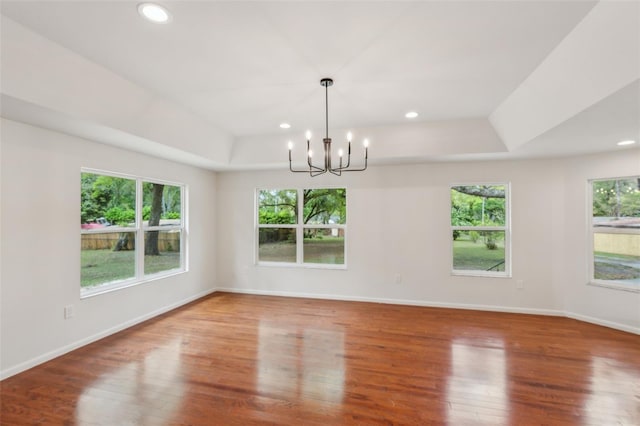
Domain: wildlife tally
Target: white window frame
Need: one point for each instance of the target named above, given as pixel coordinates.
(591, 280)
(506, 228)
(138, 230)
(299, 227)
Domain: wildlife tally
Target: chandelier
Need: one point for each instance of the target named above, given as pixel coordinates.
(315, 170)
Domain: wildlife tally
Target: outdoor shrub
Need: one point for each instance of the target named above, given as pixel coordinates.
(119, 216)
(171, 215)
(474, 235)
(491, 245)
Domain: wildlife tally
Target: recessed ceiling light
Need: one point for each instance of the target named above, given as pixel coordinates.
(285, 125)
(628, 142)
(154, 13)
(411, 114)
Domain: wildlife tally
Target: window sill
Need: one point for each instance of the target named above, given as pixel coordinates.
(481, 274)
(631, 287)
(108, 288)
(302, 265)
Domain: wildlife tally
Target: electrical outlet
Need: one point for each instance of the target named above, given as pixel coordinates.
(68, 312)
(520, 284)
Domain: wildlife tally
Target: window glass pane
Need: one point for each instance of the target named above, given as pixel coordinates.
(478, 205)
(106, 201)
(161, 251)
(616, 256)
(324, 246)
(277, 206)
(616, 230)
(277, 245)
(107, 257)
(325, 206)
(478, 250)
(161, 204)
(615, 200)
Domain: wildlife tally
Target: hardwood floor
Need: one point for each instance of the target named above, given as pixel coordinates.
(233, 359)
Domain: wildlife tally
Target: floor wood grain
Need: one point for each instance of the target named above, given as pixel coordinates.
(232, 359)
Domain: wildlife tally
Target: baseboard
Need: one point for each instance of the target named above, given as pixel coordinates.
(604, 323)
(75, 345)
(492, 308)
(514, 310)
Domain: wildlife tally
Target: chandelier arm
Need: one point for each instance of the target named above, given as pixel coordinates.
(291, 167)
(297, 171)
(312, 166)
(348, 156)
(357, 170)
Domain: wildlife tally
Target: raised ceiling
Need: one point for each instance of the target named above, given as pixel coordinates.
(228, 73)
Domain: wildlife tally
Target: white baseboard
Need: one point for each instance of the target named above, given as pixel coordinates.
(75, 345)
(604, 323)
(509, 309)
(492, 308)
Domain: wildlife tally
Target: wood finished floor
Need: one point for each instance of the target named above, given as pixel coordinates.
(239, 360)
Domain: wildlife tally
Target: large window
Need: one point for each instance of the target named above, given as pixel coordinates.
(480, 229)
(132, 230)
(615, 232)
(301, 226)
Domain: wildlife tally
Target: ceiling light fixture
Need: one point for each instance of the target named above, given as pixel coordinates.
(627, 142)
(327, 167)
(411, 114)
(154, 13)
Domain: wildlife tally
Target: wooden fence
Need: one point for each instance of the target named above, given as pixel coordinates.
(618, 243)
(167, 241)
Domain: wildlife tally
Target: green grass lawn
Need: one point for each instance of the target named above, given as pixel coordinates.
(103, 266)
(468, 255)
(327, 250)
(616, 267)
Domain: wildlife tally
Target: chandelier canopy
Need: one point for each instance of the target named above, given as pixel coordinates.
(315, 170)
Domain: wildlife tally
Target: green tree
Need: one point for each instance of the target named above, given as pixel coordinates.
(323, 206)
(616, 198)
(151, 243)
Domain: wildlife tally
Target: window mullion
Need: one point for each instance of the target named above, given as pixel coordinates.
(300, 228)
(139, 250)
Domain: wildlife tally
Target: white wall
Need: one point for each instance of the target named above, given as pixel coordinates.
(589, 302)
(40, 245)
(398, 220)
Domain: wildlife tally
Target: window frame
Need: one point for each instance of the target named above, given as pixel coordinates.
(506, 228)
(299, 229)
(591, 280)
(139, 230)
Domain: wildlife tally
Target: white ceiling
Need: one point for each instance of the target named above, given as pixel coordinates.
(245, 67)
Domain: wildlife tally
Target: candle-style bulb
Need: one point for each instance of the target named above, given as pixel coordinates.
(290, 144)
(340, 152)
(349, 136)
(310, 153)
(366, 143)
(308, 134)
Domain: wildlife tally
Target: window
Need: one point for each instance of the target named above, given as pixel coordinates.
(480, 230)
(615, 232)
(132, 230)
(301, 226)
